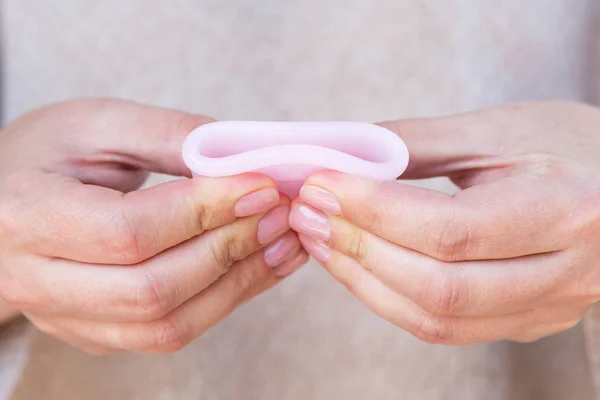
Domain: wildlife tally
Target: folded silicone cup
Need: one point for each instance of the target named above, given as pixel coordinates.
(290, 151)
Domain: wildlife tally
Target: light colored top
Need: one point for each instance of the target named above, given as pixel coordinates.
(304, 60)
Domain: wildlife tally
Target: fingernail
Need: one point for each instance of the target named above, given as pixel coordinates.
(321, 199)
(274, 224)
(309, 221)
(256, 202)
(281, 250)
(319, 250)
(292, 264)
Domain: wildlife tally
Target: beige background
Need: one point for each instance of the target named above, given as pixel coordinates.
(306, 60)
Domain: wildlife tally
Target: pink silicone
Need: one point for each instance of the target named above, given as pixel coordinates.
(290, 151)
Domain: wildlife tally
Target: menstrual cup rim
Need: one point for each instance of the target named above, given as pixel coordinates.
(294, 154)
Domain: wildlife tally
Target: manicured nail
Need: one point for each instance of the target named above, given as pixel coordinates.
(256, 202)
(292, 265)
(274, 224)
(319, 250)
(310, 221)
(281, 250)
(320, 198)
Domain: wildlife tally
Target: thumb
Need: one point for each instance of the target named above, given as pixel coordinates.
(99, 225)
(448, 145)
(489, 221)
(142, 136)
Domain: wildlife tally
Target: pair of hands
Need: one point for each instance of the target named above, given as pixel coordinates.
(90, 259)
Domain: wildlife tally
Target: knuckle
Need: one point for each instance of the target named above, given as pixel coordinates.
(371, 220)
(204, 216)
(208, 213)
(226, 249)
(431, 329)
(246, 280)
(357, 247)
(453, 240)
(151, 300)
(123, 240)
(446, 294)
(168, 336)
(220, 257)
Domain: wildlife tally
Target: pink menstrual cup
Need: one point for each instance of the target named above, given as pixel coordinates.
(290, 151)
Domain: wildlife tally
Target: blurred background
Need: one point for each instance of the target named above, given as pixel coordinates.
(303, 60)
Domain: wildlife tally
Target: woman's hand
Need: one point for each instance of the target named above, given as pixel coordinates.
(91, 260)
(514, 255)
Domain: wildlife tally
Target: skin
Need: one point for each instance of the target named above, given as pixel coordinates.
(106, 267)
(92, 259)
(513, 255)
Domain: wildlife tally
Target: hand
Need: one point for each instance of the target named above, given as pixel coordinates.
(514, 255)
(93, 261)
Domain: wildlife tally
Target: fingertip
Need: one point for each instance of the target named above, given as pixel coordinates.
(317, 249)
(260, 179)
(328, 189)
(274, 224)
(293, 217)
(321, 198)
(281, 250)
(242, 183)
(325, 178)
(256, 202)
(310, 221)
(247, 194)
(293, 264)
(284, 198)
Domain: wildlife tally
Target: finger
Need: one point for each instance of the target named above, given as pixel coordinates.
(426, 326)
(472, 288)
(191, 319)
(509, 218)
(462, 145)
(47, 326)
(288, 267)
(151, 289)
(446, 145)
(97, 225)
(70, 330)
(542, 331)
(124, 132)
